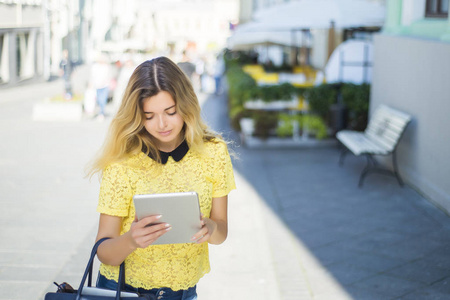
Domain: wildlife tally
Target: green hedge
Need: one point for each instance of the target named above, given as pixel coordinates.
(242, 88)
(356, 98)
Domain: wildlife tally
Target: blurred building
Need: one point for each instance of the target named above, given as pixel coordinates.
(412, 73)
(248, 7)
(34, 33)
(21, 40)
(167, 26)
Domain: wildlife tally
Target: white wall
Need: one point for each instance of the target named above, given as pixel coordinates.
(413, 75)
(413, 10)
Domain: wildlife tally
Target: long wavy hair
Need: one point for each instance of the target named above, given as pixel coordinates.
(127, 134)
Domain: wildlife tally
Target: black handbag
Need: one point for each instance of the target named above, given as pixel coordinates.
(100, 294)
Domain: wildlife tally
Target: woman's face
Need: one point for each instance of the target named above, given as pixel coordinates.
(162, 121)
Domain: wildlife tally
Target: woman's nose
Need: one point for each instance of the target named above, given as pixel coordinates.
(162, 122)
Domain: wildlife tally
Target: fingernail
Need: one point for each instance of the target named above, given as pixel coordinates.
(167, 229)
(167, 225)
(158, 216)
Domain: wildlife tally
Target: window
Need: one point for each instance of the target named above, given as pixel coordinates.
(436, 9)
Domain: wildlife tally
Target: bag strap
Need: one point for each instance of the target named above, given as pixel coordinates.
(93, 254)
(89, 270)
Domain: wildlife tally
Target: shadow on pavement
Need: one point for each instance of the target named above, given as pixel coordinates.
(378, 242)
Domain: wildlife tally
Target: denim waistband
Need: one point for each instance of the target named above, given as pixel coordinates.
(160, 293)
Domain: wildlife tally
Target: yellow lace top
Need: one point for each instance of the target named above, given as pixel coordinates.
(176, 266)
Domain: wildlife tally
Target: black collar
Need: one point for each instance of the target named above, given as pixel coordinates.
(176, 154)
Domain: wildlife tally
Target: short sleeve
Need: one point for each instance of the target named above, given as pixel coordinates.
(115, 192)
(223, 175)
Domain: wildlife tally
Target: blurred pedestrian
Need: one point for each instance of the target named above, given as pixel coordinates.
(125, 72)
(66, 68)
(100, 81)
(219, 71)
(89, 100)
(158, 143)
(200, 69)
(187, 66)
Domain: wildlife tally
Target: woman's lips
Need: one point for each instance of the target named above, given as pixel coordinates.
(165, 133)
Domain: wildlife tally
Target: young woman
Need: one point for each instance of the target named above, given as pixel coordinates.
(158, 143)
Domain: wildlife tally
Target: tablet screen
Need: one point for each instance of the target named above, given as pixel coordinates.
(180, 210)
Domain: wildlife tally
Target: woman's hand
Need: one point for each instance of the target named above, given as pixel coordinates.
(145, 232)
(208, 228)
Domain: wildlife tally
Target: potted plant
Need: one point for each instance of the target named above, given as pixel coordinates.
(265, 123)
(314, 125)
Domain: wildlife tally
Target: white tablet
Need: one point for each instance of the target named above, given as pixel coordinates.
(180, 210)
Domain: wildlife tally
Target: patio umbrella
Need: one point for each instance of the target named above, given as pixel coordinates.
(251, 34)
(315, 14)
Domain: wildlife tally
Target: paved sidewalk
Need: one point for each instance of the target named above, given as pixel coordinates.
(48, 207)
(299, 226)
(330, 239)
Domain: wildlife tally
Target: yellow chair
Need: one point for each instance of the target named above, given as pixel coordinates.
(266, 78)
(304, 84)
(298, 69)
(253, 69)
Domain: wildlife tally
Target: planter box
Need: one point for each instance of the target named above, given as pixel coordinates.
(247, 139)
(247, 127)
(275, 142)
(273, 105)
(57, 111)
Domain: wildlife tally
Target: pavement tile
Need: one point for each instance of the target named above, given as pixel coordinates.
(318, 238)
(420, 271)
(329, 254)
(347, 273)
(359, 293)
(30, 258)
(438, 291)
(20, 290)
(388, 286)
(27, 273)
(425, 294)
(375, 262)
(439, 258)
(356, 230)
(413, 248)
(377, 241)
(415, 225)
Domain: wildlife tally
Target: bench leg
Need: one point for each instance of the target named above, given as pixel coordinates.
(394, 165)
(344, 151)
(371, 164)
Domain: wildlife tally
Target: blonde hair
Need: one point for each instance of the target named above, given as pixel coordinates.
(127, 134)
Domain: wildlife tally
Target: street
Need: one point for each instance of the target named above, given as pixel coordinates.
(299, 227)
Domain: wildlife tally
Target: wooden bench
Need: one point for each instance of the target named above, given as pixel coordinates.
(381, 137)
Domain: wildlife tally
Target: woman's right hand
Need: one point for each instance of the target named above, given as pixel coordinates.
(146, 231)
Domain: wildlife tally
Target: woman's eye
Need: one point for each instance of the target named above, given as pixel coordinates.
(172, 113)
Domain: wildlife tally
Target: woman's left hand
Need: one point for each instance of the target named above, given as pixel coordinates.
(208, 228)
